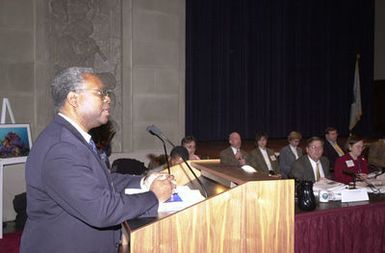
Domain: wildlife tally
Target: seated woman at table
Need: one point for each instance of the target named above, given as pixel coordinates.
(189, 142)
(352, 164)
(290, 153)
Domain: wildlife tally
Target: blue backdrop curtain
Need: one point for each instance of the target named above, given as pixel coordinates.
(276, 66)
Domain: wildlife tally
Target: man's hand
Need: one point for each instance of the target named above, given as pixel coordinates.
(242, 162)
(238, 155)
(162, 187)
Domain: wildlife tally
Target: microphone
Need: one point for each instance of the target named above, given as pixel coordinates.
(182, 152)
(353, 175)
(152, 129)
(349, 173)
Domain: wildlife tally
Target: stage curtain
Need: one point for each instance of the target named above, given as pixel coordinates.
(276, 66)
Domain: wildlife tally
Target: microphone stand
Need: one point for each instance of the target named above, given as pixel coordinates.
(165, 153)
(354, 181)
(198, 180)
(188, 166)
(184, 161)
(353, 175)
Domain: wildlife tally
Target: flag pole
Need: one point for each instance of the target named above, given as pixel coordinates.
(356, 107)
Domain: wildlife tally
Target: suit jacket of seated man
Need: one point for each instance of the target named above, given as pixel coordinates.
(227, 157)
(73, 203)
(302, 170)
(331, 154)
(287, 158)
(256, 160)
(376, 155)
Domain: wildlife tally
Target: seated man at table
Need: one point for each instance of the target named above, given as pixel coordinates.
(313, 166)
(376, 156)
(332, 149)
(262, 158)
(233, 155)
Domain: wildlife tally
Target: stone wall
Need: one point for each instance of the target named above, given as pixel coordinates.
(138, 44)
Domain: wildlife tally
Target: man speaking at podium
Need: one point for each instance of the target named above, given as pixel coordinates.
(73, 203)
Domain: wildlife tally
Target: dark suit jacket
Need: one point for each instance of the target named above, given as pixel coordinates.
(330, 153)
(256, 160)
(287, 158)
(227, 157)
(302, 170)
(73, 203)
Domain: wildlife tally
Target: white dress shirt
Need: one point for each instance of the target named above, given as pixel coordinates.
(294, 150)
(85, 135)
(235, 150)
(266, 158)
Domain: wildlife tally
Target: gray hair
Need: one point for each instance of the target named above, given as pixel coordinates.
(69, 79)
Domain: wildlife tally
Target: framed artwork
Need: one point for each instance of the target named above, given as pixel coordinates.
(15, 143)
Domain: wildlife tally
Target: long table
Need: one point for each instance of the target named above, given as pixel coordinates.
(342, 227)
(332, 227)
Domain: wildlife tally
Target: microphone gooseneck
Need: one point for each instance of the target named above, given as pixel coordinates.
(353, 175)
(198, 180)
(152, 129)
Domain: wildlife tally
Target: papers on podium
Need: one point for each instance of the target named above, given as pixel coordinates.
(182, 198)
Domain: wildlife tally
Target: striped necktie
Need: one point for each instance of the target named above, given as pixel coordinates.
(317, 172)
(338, 149)
(93, 147)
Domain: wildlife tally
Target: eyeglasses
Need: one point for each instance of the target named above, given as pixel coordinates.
(101, 93)
(314, 147)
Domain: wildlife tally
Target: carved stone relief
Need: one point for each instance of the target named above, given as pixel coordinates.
(87, 33)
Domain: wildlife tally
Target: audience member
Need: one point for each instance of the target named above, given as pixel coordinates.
(376, 156)
(73, 203)
(262, 158)
(332, 150)
(311, 167)
(290, 153)
(189, 142)
(233, 155)
(352, 164)
(177, 154)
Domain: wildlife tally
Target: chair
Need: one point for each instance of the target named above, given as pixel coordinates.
(128, 166)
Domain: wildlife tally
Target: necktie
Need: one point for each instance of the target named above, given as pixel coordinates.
(317, 173)
(93, 147)
(102, 155)
(338, 149)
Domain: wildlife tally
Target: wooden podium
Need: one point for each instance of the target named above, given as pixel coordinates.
(257, 216)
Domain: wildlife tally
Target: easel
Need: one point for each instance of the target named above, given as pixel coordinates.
(6, 107)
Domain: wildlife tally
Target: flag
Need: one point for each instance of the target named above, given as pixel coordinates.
(355, 107)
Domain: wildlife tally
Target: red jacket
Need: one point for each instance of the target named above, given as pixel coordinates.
(347, 163)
